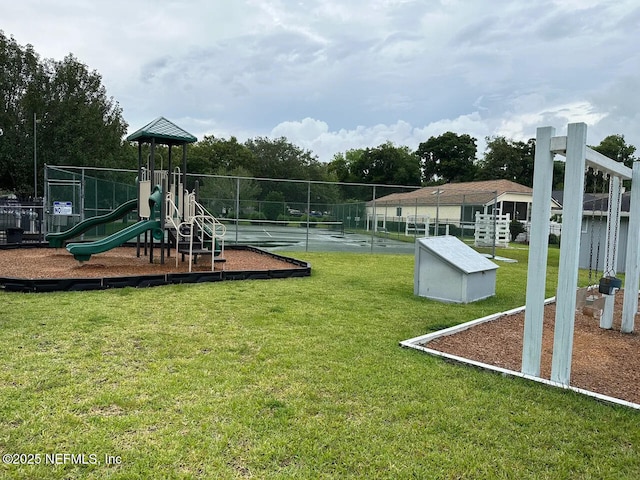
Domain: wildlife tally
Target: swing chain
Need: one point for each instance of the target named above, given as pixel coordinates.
(607, 257)
(616, 228)
(611, 218)
(593, 215)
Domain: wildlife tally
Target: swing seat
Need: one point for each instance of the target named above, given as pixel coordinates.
(609, 285)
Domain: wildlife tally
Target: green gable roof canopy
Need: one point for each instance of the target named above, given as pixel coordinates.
(164, 132)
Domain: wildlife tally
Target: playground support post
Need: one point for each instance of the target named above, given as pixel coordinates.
(569, 252)
(163, 215)
(632, 263)
(138, 180)
(152, 171)
(538, 247)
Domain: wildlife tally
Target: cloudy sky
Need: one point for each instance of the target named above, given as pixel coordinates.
(334, 75)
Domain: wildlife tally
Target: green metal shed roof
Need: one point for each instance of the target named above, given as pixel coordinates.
(164, 132)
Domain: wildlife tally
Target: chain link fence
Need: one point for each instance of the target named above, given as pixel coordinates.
(271, 213)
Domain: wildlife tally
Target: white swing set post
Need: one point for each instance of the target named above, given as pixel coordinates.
(578, 158)
(632, 262)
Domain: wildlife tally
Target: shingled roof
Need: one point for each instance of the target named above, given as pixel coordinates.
(162, 131)
(477, 193)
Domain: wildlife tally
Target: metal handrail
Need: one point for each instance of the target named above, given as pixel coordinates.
(172, 210)
(218, 226)
(206, 226)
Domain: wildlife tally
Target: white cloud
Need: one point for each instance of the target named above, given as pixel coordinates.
(333, 75)
(315, 135)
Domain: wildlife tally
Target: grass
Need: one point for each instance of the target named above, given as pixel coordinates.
(297, 378)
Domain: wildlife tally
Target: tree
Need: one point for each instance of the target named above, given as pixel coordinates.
(280, 159)
(508, 159)
(217, 156)
(615, 147)
(227, 189)
(81, 125)
(77, 123)
(558, 175)
(343, 166)
(386, 164)
(274, 205)
(21, 83)
(448, 158)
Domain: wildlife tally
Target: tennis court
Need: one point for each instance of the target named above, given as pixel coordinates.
(318, 236)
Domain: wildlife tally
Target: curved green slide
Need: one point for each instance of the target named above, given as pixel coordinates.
(57, 239)
(83, 251)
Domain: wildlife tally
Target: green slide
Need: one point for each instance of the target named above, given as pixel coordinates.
(57, 239)
(83, 251)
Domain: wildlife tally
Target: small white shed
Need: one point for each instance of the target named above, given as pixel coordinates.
(448, 270)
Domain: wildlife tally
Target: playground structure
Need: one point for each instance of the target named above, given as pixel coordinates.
(579, 158)
(166, 209)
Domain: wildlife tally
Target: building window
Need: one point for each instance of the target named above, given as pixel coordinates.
(398, 211)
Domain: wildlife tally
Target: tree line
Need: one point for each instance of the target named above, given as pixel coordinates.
(59, 113)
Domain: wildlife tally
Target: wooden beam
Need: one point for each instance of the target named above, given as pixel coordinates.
(632, 262)
(538, 252)
(569, 253)
(594, 159)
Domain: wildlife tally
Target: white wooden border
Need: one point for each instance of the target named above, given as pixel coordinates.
(418, 343)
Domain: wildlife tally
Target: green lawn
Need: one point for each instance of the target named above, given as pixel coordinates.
(296, 378)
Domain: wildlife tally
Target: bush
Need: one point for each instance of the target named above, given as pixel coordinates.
(455, 230)
(273, 205)
(554, 239)
(515, 229)
(257, 216)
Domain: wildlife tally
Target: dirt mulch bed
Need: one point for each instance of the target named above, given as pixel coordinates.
(603, 361)
(41, 263)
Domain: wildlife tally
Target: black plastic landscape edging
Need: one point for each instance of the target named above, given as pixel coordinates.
(42, 285)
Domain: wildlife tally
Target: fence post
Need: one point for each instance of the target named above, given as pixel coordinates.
(436, 233)
(43, 225)
(82, 195)
(495, 212)
(306, 248)
(237, 206)
(374, 219)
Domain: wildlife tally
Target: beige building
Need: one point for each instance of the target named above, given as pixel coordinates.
(452, 203)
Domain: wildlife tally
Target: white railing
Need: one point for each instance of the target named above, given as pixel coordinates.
(417, 224)
(218, 229)
(492, 230)
(201, 224)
